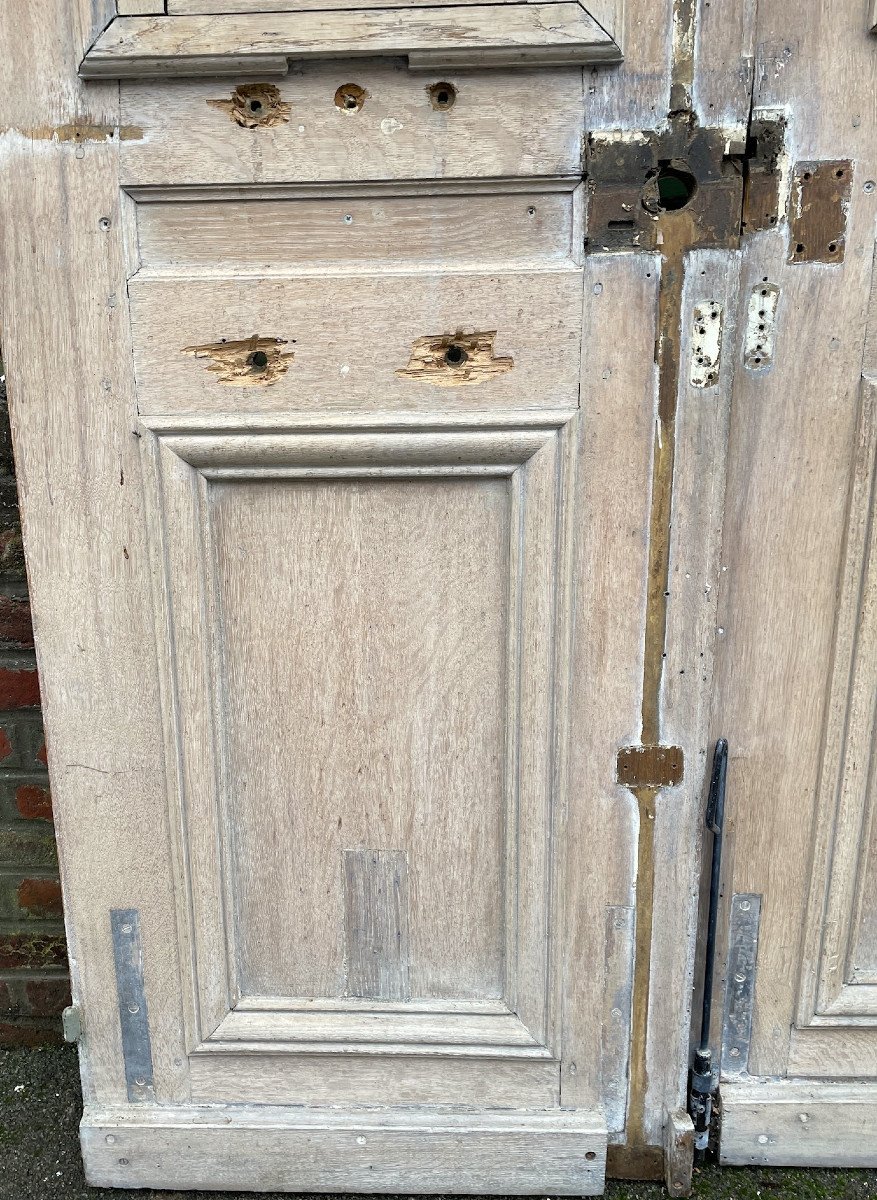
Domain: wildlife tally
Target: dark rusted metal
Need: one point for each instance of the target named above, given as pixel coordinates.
(761, 175)
(818, 211)
(623, 173)
(650, 766)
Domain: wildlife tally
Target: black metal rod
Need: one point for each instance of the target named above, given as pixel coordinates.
(700, 1094)
(715, 821)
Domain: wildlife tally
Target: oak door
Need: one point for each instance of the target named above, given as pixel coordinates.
(352, 561)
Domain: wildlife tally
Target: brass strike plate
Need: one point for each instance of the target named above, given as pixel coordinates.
(650, 766)
(818, 211)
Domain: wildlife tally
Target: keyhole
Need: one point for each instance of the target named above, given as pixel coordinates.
(258, 360)
(455, 356)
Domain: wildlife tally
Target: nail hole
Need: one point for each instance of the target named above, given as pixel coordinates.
(455, 356)
(807, 175)
(531, 211)
(839, 174)
(832, 247)
(350, 97)
(258, 360)
(442, 95)
(590, 1155)
(799, 248)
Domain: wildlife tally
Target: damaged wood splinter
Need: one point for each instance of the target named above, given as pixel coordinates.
(252, 362)
(254, 106)
(455, 359)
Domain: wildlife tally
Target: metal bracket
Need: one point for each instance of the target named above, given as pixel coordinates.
(740, 983)
(650, 766)
(133, 1015)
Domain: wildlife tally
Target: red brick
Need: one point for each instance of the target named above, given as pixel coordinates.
(40, 897)
(19, 687)
(15, 623)
(5, 744)
(43, 755)
(33, 803)
(30, 1033)
(19, 951)
(47, 997)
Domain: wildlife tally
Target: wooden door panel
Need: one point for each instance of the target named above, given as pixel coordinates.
(374, 343)
(174, 134)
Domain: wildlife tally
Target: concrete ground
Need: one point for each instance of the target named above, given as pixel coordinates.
(39, 1149)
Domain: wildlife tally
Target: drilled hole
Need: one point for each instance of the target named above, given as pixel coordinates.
(799, 248)
(350, 97)
(455, 356)
(839, 173)
(442, 95)
(832, 247)
(255, 106)
(590, 1155)
(807, 176)
(258, 360)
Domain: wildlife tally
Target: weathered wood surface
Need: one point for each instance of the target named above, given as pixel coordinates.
(176, 136)
(559, 33)
(270, 1149)
(799, 1124)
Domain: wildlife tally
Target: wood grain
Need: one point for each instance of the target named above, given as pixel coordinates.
(271, 1149)
(558, 34)
(799, 1124)
(344, 364)
(184, 139)
(376, 923)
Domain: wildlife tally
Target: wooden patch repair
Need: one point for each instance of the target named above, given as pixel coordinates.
(649, 766)
(376, 923)
(455, 359)
(252, 362)
(254, 106)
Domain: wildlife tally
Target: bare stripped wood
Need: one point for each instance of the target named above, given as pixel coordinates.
(78, 468)
(376, 923)
(201, 7)
(184, 139)
(613, 485)
(374, 234)
(341, 362)
(135, 8)
(777, 619)
(678, 1153)
(842, 908)
(559, 33)
(615, 1050)
(271, 1149)
(724, 61)
(423, 1030)
(799, 1124)
(459, 1082)
(702, 423)
(636, 94)
(846, 1051)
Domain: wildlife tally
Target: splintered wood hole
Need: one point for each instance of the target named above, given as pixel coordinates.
(350, 97)
(250, 362)
(442, 95)
(254, 106)
(455, 359)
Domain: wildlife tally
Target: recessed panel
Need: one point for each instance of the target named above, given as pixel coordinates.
(362, 648)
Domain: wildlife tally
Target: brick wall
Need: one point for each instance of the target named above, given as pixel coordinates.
(33, 961)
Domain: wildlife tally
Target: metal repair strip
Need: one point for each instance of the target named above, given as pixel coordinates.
(133, 1015)
(740, 983)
